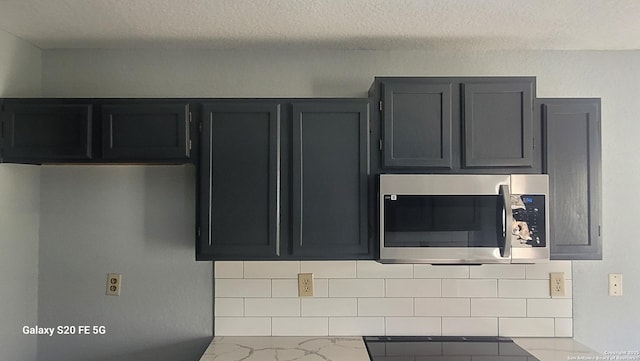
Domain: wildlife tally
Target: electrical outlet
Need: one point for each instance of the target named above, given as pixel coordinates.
(114, 284)
(556, 284)
(615, 284)
(305, 284)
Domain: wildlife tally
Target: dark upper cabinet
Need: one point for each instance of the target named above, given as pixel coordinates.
(145, 131)
(239, 181)
(417, 125)
(329, 180)
(284, 179)
(39, 131)
(572, 158)
(498, 124)
(456, 125)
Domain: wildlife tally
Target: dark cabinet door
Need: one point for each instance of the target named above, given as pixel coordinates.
(417, 125)
(36, 133)
(573, 162)
(330, 169)
(145, 131)
(498, 124)
(239, 181)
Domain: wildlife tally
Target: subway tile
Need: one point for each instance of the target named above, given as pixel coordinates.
(356, 288)
(430, 271)
(542, 270)
(283, 288)
(469, 288)
(272, 307)
(563, 327)
(329, 307)
(321, 287)
(385, 307)
(549, 308)
(463, 326)
(229, 307)
(516, 271)
(413, 326)
(242, 326)
(329, 269)
(497, 307)
(300, 326)
(523, 289)
(242, 288)
(442, 307)
(271, 269)
(373, 269)
(228, 269)
(412, 288)
(356, 326)
(526, 327)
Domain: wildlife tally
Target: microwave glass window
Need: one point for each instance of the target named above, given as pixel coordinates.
(443, 221)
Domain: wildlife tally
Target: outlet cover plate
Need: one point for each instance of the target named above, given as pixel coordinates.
(615, 284)
(556, 284)
(114, 284)
(305, 284)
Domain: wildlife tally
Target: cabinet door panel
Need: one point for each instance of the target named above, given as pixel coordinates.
(498, 125)
(240, 181)
(417, 125)
(46, 132)
(145, 131)
(330, 168)
(573, 163)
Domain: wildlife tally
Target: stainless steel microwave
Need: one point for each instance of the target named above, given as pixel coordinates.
(464, 219)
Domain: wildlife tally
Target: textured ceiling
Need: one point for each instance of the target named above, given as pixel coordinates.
(342, 24)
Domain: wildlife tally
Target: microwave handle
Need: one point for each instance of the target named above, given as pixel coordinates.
(507, 220)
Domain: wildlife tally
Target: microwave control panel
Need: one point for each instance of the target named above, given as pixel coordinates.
(528, 212)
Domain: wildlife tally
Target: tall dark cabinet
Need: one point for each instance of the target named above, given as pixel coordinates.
(572, 159)
(329, 179)
(240, 205)
(284, 179)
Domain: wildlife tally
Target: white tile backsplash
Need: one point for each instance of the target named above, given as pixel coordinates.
(413, 326)
(497, 271)
(498, 307)
(271, 269)
(442, 307)
(356, 288)
(430, 271)
(385, 307)
(272, 307)
(413, 288)
(329, 306)
(242, 288)
(228, 269)
(296, 326)
(471, 326)
(527, 327)
(373, 269)
(469, 288)
(329, 269)
(242, 326)
(255, 298)
(229, 307)
(356, 326)
(549, 308)
(564, 327)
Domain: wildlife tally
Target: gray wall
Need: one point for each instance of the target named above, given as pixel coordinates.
(20, 74)
(602, 322)
(135, 220)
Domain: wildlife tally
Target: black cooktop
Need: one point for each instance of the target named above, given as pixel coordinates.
(444, 348)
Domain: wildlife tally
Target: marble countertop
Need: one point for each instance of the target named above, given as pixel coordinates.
(310, 348)
(556, 349)
(229, 348)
